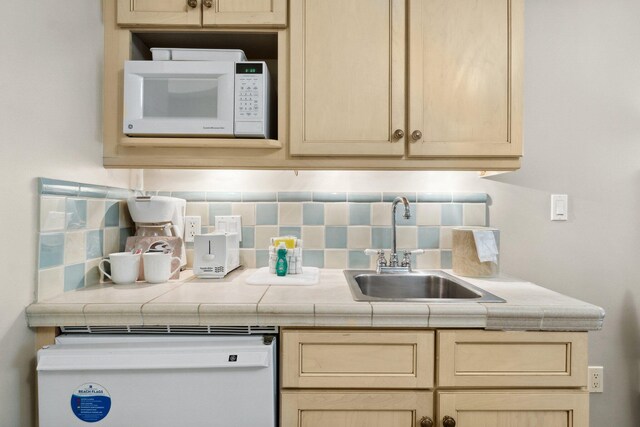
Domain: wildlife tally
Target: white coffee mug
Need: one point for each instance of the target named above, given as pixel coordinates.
(125, 267)
(157, 266)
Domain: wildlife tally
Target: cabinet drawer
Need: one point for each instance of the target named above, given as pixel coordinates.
(357, 359)
(512, 359)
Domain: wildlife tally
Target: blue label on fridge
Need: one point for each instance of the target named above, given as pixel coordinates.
(90, 402)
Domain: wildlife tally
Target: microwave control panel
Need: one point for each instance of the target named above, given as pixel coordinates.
(251, 99)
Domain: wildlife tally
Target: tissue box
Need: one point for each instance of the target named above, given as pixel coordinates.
(465, 259)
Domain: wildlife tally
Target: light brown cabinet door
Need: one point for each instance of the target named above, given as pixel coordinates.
(515, 408)
(465, 77)
(355, 409)
(347, 77)
(159, 13)
(251, 13)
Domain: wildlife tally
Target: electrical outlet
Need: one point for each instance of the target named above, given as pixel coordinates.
(192, 226)
(596, 379)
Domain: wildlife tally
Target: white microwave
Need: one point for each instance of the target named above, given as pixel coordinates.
(196, 98)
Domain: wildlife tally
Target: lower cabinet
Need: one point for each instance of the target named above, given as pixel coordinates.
(427, 378)
(356, 408)
(543, 408)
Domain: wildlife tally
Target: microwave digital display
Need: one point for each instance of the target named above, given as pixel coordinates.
(248, 68)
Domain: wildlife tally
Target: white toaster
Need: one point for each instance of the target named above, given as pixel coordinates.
(216, 254)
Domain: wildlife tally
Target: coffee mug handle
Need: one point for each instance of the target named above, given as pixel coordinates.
(101, 268)
(177, 269)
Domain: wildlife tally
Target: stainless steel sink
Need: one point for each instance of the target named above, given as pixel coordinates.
(418, 286)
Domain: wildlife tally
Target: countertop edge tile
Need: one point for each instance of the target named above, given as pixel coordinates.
(182, 314)
(228, 314)
(346, 315)
(100, 314)
(399, 315)
(470, 315)
(47, 315)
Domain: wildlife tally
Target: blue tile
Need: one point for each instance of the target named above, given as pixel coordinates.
(335, 237)
(390, 197)
(313, 213)
(94, 244)
(124, 233)
(262, 258)
(428, 237)
(164, 193)
(111, 214)
(248, 237)
(190, 196)
(434, 197)
(359, 214)
(51, 250)
(329, 197)
(295, 196)
(451, 214)
(259, 197)
(358, 259)
(313, 258)
(218, 209)
(93, 191)
(76, 214)
(58, 187)
(401, 220)
(290, 231)
(267, 214)
(120, 193)
(496, 235)
(445, 259)
(469, 197)
(381, 238)
(73, 277)
(224, 196)
(364, 197)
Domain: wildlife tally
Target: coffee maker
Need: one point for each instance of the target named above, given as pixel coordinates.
(159, 216)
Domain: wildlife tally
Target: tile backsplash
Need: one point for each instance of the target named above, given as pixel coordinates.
(337, 227)
(80, 224)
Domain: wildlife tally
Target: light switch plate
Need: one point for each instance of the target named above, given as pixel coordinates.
(559, 207)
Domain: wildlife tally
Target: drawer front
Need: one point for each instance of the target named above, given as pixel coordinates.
(511, 359)
(357, 359)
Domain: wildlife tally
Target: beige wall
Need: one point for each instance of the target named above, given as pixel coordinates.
(582, 138)
(50, 73)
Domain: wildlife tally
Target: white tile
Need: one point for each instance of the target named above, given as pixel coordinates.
(380, 214)
(264, 235)
(190, 254)
(335, 258)
(289, 214)
(407, 237)
(428, 213)
(430, 259)
(52, 213)
(474, 214)
(95, 213)
(336, 214)
(92, 275)
(74, 247)
(246, 210)
(313, 237)
(359, 237)
(199, 209)
(50, 283)
(111, 240)
(248, 258)
(446, 237)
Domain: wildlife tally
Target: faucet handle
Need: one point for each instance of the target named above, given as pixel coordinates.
(381, 261)
(373, 251)
(406, 258)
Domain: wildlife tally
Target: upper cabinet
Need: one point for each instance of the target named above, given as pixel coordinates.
(454, 91)
(202, 13)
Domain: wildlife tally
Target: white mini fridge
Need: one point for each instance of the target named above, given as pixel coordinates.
(158, 381)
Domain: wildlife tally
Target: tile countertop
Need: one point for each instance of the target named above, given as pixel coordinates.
(231, 302)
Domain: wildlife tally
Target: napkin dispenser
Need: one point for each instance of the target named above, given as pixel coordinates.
(216, 254)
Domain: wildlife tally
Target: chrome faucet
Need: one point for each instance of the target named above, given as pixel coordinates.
(393, 258)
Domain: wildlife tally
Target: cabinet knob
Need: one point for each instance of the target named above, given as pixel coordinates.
(426, 422)
(398, 134)
(416, 135)
(447, 421)
(192, 3)
(208, 4)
